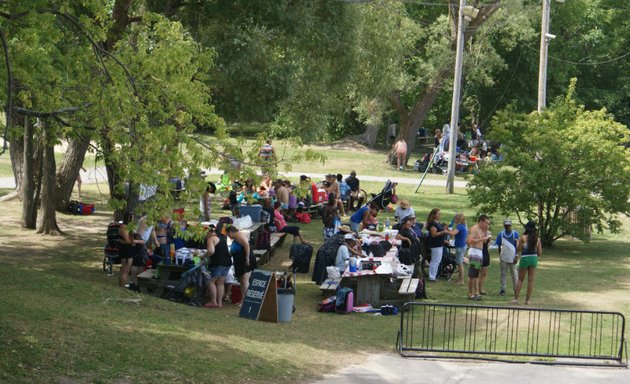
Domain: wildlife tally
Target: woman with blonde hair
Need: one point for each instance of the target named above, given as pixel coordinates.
(460, 230)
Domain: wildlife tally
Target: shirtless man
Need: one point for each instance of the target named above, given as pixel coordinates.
(335, 189)
(282, 195)
(476, 237)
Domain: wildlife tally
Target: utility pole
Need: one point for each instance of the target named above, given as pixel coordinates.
(544, 44)
(457, 82)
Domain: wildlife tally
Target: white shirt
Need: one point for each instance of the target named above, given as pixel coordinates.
(402, 213)
(343, 255)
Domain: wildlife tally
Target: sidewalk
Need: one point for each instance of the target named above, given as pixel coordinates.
(392, 368)
(93, 175)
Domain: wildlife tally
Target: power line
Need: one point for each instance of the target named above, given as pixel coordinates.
(582, 63)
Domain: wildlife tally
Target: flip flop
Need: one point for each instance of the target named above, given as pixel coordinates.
(208, 305)
(514, 301)
(483, 292)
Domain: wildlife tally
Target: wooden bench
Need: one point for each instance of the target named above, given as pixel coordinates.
(329, 287)
(408, 288)
(169, 276)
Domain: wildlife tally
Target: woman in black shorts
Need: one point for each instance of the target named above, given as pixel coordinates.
(244, 260)
(126, 249)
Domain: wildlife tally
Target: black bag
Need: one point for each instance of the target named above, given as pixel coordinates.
(405, 256)
(301, 255)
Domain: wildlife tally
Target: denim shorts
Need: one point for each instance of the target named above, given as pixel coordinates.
(220, 271)
(459, 255)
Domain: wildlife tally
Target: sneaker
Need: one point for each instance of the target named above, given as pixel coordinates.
(400, 169)
(502, 293)
(477, 298)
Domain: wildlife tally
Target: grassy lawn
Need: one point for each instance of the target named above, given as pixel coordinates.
(62, 317)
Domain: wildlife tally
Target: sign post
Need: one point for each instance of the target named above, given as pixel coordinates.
(261, 299)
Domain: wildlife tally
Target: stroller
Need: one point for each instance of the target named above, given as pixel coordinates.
(191, 288)
(447, 266)
(111, 248)
(383, 199)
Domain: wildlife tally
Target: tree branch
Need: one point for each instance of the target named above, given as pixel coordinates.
(394, 98)
(40, 114)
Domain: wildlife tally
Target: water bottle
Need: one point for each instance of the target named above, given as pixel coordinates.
(353, 264)
(387, 224)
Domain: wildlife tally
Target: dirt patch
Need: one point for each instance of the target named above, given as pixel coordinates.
(347, 144)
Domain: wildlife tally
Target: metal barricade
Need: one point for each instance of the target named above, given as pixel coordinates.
(535, 335)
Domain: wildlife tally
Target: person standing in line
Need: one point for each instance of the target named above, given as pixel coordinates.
(400, 148)
(530, 248)
(437, 237)
(461, 234)
(506, 243)
(220, 262)
(476, 237)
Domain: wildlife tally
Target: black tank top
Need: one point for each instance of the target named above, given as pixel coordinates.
(221, 255)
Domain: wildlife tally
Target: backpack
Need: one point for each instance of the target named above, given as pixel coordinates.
(344, 301)
(328, 305)
(223, 224)
(263, 241)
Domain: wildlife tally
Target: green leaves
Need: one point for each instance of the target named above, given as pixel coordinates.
(563, 167)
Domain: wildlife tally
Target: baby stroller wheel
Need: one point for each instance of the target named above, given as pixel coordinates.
(107, 266)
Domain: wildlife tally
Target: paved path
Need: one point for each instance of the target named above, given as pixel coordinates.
(391, 368)
(93, 175)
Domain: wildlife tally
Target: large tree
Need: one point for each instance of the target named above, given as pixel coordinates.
(566, 168)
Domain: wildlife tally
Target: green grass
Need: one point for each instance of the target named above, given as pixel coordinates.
(62, 317)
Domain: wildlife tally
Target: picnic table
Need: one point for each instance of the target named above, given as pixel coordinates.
(375, 282)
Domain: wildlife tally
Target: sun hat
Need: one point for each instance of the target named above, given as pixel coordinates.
(345, 228)
(404, 204)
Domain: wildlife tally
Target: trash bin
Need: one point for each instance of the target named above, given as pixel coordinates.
(286, 297)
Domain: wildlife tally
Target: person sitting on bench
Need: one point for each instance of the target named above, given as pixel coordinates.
(281, 224)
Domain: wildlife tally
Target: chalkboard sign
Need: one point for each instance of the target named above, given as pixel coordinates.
(261, 299)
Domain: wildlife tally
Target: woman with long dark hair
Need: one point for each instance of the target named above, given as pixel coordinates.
(437, 236)
(530, 249)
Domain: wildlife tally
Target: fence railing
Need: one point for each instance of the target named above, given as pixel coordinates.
(552, 336)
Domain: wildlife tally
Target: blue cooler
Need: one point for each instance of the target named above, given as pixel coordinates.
(252, 211)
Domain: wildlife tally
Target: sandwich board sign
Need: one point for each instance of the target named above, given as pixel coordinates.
(261, 299)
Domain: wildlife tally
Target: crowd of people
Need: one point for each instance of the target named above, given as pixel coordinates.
(343, 213)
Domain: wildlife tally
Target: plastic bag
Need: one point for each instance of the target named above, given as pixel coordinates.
(333, 272)
(243, 222)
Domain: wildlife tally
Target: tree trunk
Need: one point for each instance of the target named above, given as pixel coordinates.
(16, 152)
(48, 224)
(29, 208)
(411, 121)
(69, 170)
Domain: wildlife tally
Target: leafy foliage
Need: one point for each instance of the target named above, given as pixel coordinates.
(566, 168)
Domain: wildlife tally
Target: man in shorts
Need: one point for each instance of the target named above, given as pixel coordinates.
(476, 237)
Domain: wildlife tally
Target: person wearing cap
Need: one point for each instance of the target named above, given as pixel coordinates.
(530, 248)
(404, 209)
(343, 253)
(506, 243)
(220, 262)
